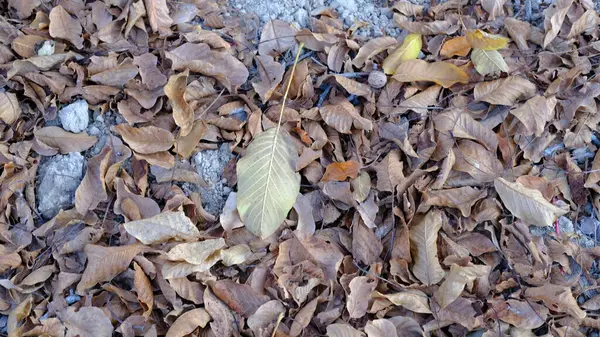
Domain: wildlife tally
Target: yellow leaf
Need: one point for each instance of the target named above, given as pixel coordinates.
(482, 40)
(409, 50)
(488, 61)
(458, 46)
(341, 171)
(443, 73)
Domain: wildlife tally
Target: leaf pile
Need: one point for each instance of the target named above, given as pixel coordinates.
(442, 183)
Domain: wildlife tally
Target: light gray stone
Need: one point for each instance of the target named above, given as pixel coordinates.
(210, 165)
(58, 179)
(75, 117)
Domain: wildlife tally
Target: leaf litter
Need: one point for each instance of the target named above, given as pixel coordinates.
(166, 171)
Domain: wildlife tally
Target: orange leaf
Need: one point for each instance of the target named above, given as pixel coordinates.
(458, 46)
(341, 171)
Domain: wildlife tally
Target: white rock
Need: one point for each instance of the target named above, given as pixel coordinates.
(75, 117)
(59, 178)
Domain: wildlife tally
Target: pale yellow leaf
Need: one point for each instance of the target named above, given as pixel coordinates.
(423, 244)
(146, 140)
(10, 110)
(408, 50)
(488, 61)
(482, 40)
(527, 204)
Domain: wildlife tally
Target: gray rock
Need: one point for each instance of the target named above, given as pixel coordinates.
(58, 179)
(210, 165)
(75, 117)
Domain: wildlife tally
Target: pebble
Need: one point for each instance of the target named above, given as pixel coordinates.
(75, 117)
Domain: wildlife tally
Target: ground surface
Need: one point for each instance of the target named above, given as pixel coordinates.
(145, 190)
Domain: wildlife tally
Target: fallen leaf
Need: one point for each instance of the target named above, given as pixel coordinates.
(341, 171)
(10, 110)
(143, 289)
(63, 26)
(241, 298)
(488, 61)
(535, 113)
(389, 172)
(271, 74)
(25, 45)
(361, 288)
(463, 125)
(505, 91)
(198, 253)
(86, 322)
(423, 243)
(519, 31)
(188, 322)
(413, 300)
(343, 115)
(265, 315)
(557, 298)
(182, 111)
(277, 36)
(458, 46)
(477, 161)
(64, 141)
(527, 204)
(443, 73)
(553, 23)
(199, 58)
(420, 102)
(522, 314)
(494, 7)
(104, 263)
(343, 330)
(482, 40)
(267, 182)
(372, 48)
(408, 50)
(146, 140)
(588, 21)
(456, 281)
(462, 198)
(151, 75)
(158, 16)
(163, 227)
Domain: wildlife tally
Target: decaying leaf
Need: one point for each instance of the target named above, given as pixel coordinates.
(146, 140)
(277, 36)
(558, 298)
(86, 322)
(10, 109)
(63, 26)
(488, 61)
(505, 91)
(182, 111)
(163, 227)
(188, 322)
(482, 40)
(64, 141)
(458, 46)
(267, 182)
(456, 281)
(341, 171)
(527, 204)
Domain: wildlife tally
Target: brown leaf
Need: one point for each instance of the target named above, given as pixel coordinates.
(354, 87)
(477, 161)
(163, 159)
(277, 36)
(413, 300)
(128, 204)
(366, 246)
(423, 243)
(25, 45)
(143, 288)
(64, 141)
(265, 315)
(343, 330)
(588, 21)
(151, 75)
(185, 146)
(188, 322)
(223, 321)
(372, 48)
(443, 73)
(419, 102)
(87, 322)
(158, 16)
(183, 113)
(556, 298)
(303, 317)
(389, 172)
(554, 18)
(505, 91)
(146, 140)
(201, 59)
(92, 190)
(271, 74)
(63, 26)
(522, 314)
(341, 171)
(118, 76)
(519, 31)
(527, 204)
(458, 46)
(425, 28)
(10, 110)
(24, 7)
(104, 263)
(494, 8)
(343, 115)
(462, 198)
(361, 288)
(535, 113)
(204, 253)
(241, 298)
(456, 281)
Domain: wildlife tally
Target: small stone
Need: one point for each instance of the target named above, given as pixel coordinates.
(100, 118)
(377, 79)
(75, 117)
(59, 178)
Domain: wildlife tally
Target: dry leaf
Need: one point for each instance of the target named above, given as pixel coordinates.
(505, 91)
(158, 16)
(143, 288)
(482, 40)
(389, 172)
(341, 171)
(456, 281)
(182, 111)
(488, 61)
(241, 298)
(361, 288)
(343, 330)
(423, 243)
(413, 300)
(588, 21)
(63, 26)
(86, 322)
(198, 253)
(163, 227)
(372, 48)
(443, 73)
(494, 8)
(64, 141)
(271, 74)
(104, 263)
(458, 46)
(527, 204)
(553, 23)
(557, 298)
(420, 102)
(462, 198)
(10, 110)
(343, 115)
(535, 113)
(277, 36)
(477, 161)
(188, 322)
(146, 140)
